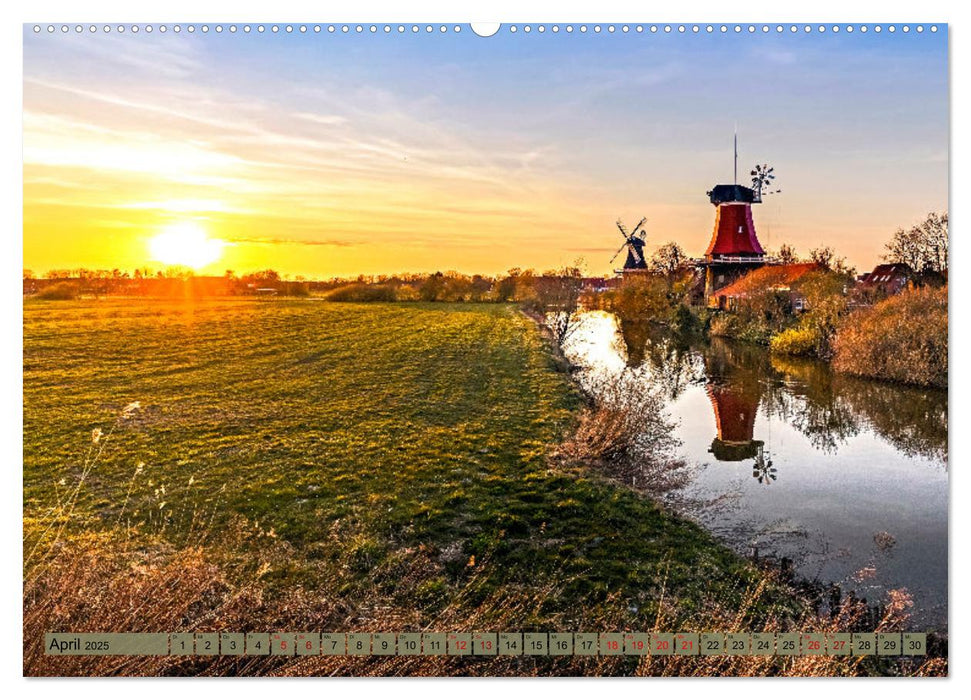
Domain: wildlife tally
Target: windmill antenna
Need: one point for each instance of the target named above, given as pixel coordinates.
(736, 153)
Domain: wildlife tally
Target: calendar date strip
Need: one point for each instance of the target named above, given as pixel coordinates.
(485, 644)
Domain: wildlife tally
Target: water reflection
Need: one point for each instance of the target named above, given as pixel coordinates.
(735, 391)
(848, 461)
(828, 408)
(838, 406)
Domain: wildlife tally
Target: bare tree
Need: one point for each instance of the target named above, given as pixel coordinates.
(923, 247)
(822, 256)
(558, 297)
(787, 254)
(668, 260)
(826, 258)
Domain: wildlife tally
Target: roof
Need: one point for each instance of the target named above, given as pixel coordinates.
(768, 277)
(887, 270)
(731, 193)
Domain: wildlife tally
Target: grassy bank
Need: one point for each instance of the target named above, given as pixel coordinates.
(274, 465)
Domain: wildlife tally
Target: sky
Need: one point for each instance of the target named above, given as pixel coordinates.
(323, 155)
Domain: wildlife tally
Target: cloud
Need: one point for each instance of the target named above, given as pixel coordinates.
(780, 57)
(366, 146)
(136, 57)
(186, 147)
(182, 205)
(325, 119)
(270, 241)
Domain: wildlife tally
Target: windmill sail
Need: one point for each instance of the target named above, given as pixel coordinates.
(634, 243)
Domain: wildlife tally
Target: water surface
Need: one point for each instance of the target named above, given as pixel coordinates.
(844, 477)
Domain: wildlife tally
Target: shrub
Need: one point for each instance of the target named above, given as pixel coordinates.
(723, 325)
(62, 291)
(628, 436)
(704, 317)
(640, 298)
(803, 340)
(406, 292)
(363, 293)
(825, 293)
(903, 339)
(754, 320)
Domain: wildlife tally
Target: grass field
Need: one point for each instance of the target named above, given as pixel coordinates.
(388, 461)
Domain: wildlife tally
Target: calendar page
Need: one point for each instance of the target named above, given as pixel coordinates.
(516, 349)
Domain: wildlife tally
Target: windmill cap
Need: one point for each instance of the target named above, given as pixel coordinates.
(720, 194)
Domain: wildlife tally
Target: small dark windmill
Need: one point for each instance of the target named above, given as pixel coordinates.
(762, 177)
(634, 244)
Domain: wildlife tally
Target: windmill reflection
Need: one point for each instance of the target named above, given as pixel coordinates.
(762, 470)
(733, 382)
(735, 413)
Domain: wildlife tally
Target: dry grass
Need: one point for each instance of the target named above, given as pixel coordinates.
(114, 588)
(903, 339)
(626, 434)
(103, 585)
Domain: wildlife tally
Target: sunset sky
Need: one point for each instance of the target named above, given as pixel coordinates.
(332, 155)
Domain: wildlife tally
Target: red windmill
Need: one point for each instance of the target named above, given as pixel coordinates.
(734, 249)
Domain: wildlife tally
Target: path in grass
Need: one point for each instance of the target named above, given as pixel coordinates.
(412, 425)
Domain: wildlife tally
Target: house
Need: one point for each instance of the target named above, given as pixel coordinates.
(778, 278)
(597, 284)
(886, 280)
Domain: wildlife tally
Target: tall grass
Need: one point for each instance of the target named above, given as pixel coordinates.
(903, 339)
(48, 529)
(101, 585)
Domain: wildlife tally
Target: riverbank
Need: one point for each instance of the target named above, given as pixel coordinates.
(902, 338)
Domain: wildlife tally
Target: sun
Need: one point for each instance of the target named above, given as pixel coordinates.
(185, 244)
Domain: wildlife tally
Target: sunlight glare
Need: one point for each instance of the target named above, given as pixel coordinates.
(185, 244)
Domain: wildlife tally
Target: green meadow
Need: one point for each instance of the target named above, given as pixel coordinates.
(352, 438)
